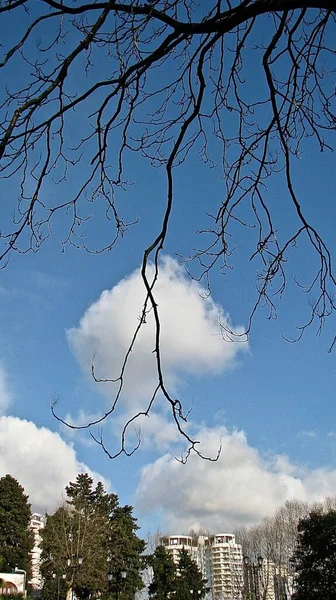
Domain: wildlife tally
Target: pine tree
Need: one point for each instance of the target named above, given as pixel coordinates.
(190, 584)
(125, 549)
(164, 574)
(16, 540)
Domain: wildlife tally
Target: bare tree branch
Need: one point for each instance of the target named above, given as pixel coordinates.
(205, 101)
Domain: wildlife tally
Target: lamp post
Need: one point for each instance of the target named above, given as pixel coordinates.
(73, 563)
(280, 590)
(195, 594)
(117, 578)
(253, 576)
(54, 576)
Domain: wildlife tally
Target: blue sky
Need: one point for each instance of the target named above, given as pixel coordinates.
(270, 402)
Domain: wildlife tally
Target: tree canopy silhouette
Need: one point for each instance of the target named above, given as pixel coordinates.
(314, 557)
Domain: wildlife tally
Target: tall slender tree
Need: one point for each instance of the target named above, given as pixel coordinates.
(16, 539)
(274, 539)
(93, 529)
(190, 584)
(164, 574)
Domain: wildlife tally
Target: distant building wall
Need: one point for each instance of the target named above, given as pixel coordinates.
(36, 525)
(174, 544)
(12, 583)
(218, 557)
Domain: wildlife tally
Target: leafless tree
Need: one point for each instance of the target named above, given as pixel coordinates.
(274, 539)
(86, 84)
(153, 541)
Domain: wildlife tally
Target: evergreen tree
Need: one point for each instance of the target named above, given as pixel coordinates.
(125, 549)
(91, 526)
(80, 493)
(190, 584)
(315, 557)
(164, 574)
(16, 539)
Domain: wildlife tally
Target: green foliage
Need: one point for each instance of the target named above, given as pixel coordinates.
(125, 549)
(93, 526)
(184, 582)
(16, 540)
(315, 557)
(164, 574)
(55, 588)
(190, 584)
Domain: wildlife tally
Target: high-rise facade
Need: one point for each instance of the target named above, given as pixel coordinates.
(225, 567)
(174, 544)
(218, 557)
(36, 525)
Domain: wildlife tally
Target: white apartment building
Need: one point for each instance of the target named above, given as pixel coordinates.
(278, 582)
(218, 557)
(267, 576)
(36, 525)
(225, 567)
(174, 544)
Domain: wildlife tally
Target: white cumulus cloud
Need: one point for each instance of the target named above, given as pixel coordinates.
(191, 342)
(240, 488)
(40, 460)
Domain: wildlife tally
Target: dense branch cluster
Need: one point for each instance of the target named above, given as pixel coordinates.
(90, 83)
(278, 539)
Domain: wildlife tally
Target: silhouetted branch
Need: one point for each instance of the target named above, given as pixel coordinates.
(203, 101)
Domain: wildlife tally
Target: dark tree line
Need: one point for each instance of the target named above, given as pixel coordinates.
(183, 581)
(86, 542)
(93, 527)
(314, 559)
(16, 539)
(242, 86)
